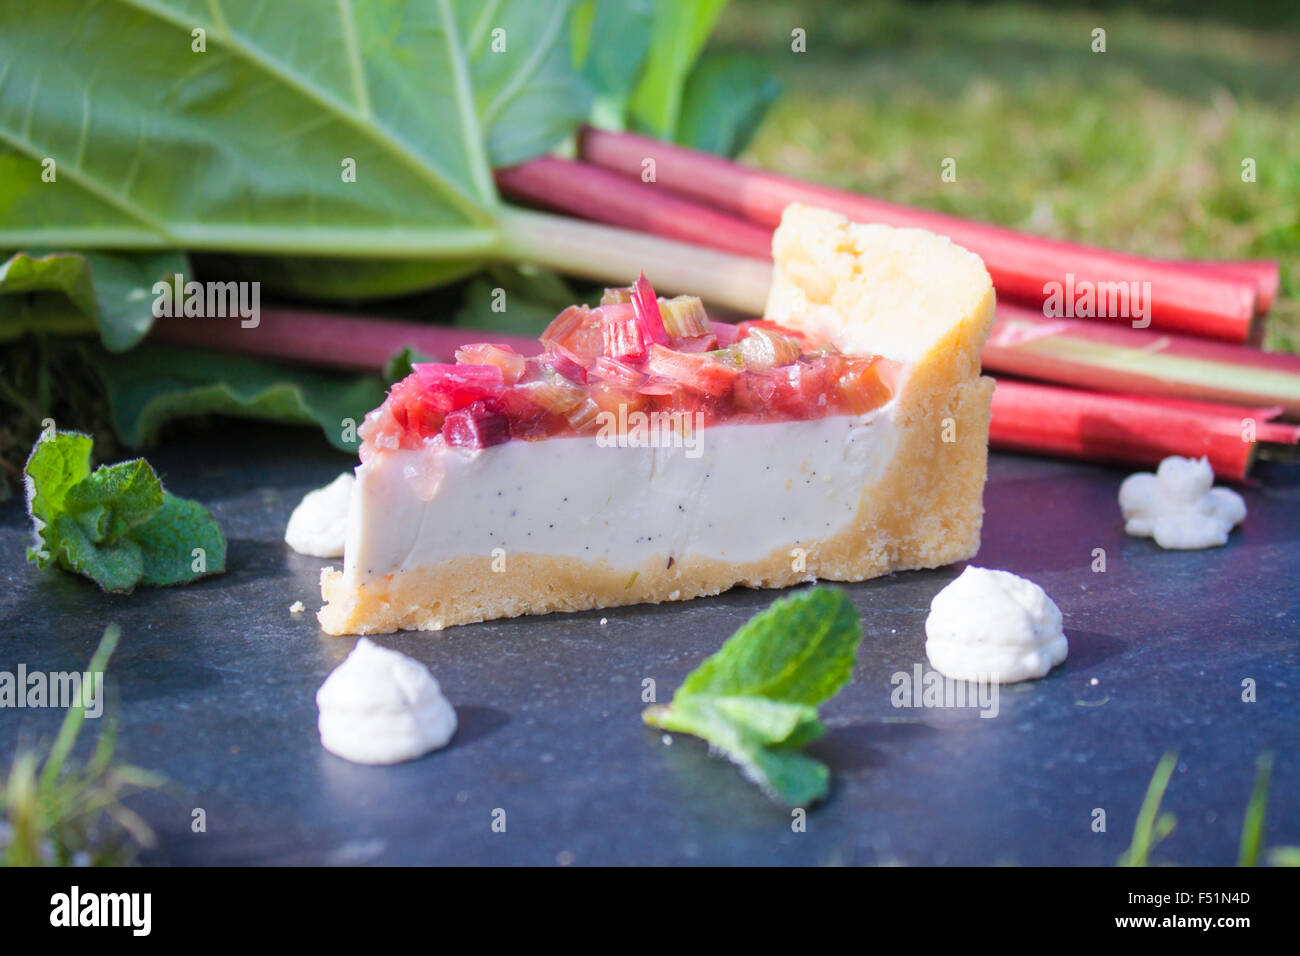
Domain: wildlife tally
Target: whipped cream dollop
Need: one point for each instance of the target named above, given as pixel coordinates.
(994, 625)
(319, 525)
(380, 706)
(1179, 506)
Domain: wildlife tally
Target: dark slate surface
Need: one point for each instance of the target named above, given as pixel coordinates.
(214, 686)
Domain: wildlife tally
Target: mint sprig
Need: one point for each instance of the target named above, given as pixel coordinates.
(116, 525)
(756, 699)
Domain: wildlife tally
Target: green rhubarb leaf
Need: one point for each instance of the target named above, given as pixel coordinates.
(115, 525)
(153, 385)
(403, 364)
(66, 292)
(725, 100)
(124, 292)
(375, 141)
(756, 699)
(676, 39)
(330, 279)
(610, 41)
(506, 299)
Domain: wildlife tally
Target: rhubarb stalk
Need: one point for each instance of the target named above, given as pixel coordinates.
(345, 342)
(1100, 426)
(606, 253)
(591, 192)
(1137, 361)
(1192, 300)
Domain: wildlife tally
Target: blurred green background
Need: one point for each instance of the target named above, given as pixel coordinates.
(1138, 148)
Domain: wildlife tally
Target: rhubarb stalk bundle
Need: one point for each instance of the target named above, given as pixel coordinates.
(1184, 297)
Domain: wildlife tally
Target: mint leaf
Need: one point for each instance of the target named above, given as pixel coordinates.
(114, 567)
(115, 525)
(800, 649)
(52, 469)
(758, 735)
(114, 499)
(169, 539)
(756, 698)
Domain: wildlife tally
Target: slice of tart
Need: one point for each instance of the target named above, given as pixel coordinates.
(650, 454)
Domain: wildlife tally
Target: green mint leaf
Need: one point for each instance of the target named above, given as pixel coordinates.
(767, 722)
(169, 541)
(115, 567)
(113, 499)
(758, 736)
(55, 465)
(801, 649)
(756, 699)
(115, 525)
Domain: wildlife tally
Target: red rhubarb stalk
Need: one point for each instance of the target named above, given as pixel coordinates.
(348, 342)
(591, 192)
(1263, 272)
(601, 195)
(1134, 430)
(1138, 361)
(1026, 268)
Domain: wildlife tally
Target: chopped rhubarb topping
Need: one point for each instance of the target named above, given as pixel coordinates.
(647, 312)
(726, 332)
(744, 328)
(616, 372)
(859, 386)
(577, 329)
(476, 426)
(450, 387)
(763, 348)
(624, 333)
(700, 372)
(697, 343)
(569, 364)
(633, 353)
(684, 317)
(510, 362)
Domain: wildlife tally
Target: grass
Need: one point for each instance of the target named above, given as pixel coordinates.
(1152, 826)
(56, 812)
(1138, 148)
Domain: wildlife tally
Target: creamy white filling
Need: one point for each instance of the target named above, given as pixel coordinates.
(742, 492)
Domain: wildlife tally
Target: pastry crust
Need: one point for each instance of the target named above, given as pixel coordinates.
(903, 293)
